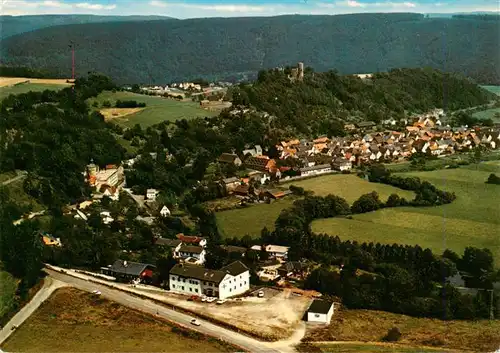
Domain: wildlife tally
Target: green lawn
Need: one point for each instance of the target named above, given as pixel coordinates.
(157, 109)
(8, 288)
(27, 87)
(473, 219)
(252, 219)
(494, 89)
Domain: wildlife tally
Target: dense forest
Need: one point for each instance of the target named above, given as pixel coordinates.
(157, 51)
(12, 25)
(53, 136)
(316, 105)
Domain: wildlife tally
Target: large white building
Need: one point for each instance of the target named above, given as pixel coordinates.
(229, 281)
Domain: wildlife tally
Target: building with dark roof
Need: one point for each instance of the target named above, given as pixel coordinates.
(320, 311)
(231, 280)
(230, 158)
(187, 252)
(234, 249)
(127, 271)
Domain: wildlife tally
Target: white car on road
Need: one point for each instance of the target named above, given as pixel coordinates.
(195, 322)
(96, 292)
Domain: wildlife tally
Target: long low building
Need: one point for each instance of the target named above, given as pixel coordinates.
(229, 281)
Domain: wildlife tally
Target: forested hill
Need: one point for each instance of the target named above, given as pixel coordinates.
(317, 105)
(162, 51)
(12, 25)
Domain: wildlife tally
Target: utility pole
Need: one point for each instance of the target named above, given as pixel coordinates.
(72, 46)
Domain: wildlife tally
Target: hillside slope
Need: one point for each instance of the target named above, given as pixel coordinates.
(12, 25)
(160, 51)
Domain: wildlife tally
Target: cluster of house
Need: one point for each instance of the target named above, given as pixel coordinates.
(324, 155)
(190, 276)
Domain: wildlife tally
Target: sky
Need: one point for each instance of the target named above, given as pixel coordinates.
(236, 8)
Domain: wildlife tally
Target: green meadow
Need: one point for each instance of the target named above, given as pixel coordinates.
(473, 219)
(157, 109)
(251, 220)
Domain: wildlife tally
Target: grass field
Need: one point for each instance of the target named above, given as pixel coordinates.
(74, 321)
(488, 114)
(157, 109)
(17, 193)
(494, 89)
(251, 220)
(375, 348)
(371, 326)
(473, 219)
(27, 87)
(8, 288)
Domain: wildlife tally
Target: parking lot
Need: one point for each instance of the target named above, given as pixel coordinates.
(276, 315)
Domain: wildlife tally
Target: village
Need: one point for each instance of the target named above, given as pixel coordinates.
(191, 285)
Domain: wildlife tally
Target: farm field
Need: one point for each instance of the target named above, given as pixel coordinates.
(74, 321)
(370, 326)
(157, 109)
(473, 219)
(251, 220)
(27, 87)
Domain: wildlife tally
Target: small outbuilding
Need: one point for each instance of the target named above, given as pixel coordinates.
(320, 311)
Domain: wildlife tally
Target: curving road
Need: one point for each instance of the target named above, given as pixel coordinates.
(49, 286)
(150, 307)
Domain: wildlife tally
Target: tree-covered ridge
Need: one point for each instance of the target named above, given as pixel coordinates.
(315, 105)
(156, 51)
(12, 25)
(53, 136)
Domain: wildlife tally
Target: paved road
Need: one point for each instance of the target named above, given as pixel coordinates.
(49, 286)
(20, 176)
(151, 307)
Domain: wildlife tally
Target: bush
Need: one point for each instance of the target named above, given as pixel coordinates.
(493, 179)
(393, 335)
(106, 104)
(297, 190)
(129, 104)
(367, 203)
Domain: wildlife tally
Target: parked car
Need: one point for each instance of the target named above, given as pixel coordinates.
(203, 299)
(195, 322)
(13, 327)
(211, 299)
(96, 292)
(260, 294)
(220, 301)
